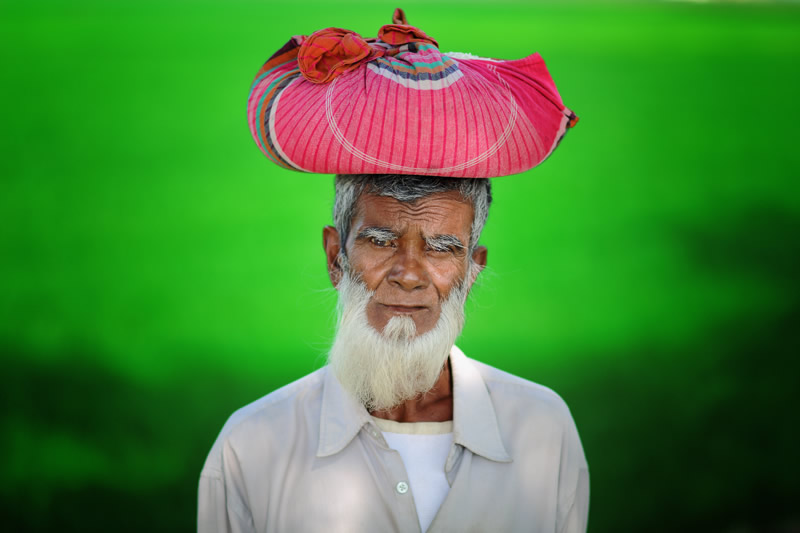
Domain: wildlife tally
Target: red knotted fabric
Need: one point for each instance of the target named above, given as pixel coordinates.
(399, 34)
(328, 53)
(336, 103)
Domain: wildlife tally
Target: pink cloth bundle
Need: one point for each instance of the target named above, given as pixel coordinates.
(335, 102)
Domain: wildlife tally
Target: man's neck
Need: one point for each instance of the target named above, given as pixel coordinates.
(436, 405)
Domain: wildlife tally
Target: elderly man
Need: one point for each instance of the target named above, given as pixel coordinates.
(400, 431)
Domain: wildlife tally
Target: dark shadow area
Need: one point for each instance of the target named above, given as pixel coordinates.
(706, 439)
(150, 443)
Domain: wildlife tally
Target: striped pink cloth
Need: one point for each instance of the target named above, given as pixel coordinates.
(334, 102)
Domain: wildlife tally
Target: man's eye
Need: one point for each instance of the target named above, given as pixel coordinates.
(381, 243)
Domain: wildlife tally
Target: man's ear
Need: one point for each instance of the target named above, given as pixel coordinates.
(479, 255)
(332, 246)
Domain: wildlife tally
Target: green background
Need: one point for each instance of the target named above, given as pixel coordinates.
(157, 272)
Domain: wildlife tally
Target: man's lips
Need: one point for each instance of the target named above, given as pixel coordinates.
(404, 309)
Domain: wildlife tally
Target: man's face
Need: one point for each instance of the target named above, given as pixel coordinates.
(408, 267)
(410, 255)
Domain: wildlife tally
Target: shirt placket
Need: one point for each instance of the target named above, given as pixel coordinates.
(392, 480)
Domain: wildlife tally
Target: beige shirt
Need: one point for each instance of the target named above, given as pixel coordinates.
(308, 457)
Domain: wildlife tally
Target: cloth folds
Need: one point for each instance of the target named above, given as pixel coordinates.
(335, 102)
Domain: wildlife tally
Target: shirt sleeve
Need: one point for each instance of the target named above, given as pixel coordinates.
(221, 506)
(577, 515)
(573, 489)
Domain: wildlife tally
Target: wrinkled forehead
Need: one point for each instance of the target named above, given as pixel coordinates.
(437, 213)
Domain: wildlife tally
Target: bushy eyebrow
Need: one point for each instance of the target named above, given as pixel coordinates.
(383, 234)
(445, 243)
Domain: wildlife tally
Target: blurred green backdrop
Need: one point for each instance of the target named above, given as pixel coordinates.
(157, 272)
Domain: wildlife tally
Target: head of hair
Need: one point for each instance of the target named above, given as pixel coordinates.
(408, 188)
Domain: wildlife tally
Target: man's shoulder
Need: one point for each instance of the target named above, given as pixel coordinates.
(271, 416)
(304, 390)
(509, 391)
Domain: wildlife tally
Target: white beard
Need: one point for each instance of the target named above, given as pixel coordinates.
(385, 369)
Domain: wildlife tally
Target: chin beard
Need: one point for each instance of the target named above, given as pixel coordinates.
(383, 369)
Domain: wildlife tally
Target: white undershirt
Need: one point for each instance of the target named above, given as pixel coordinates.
(423, 446)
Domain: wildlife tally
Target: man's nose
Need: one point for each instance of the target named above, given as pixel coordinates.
(408, 270)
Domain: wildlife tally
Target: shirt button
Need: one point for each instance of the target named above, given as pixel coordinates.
(402, 487)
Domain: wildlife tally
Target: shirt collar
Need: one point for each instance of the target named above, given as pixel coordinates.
(474, 420)
(341, 418)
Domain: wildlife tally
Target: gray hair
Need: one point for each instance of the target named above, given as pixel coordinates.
(406, 188)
